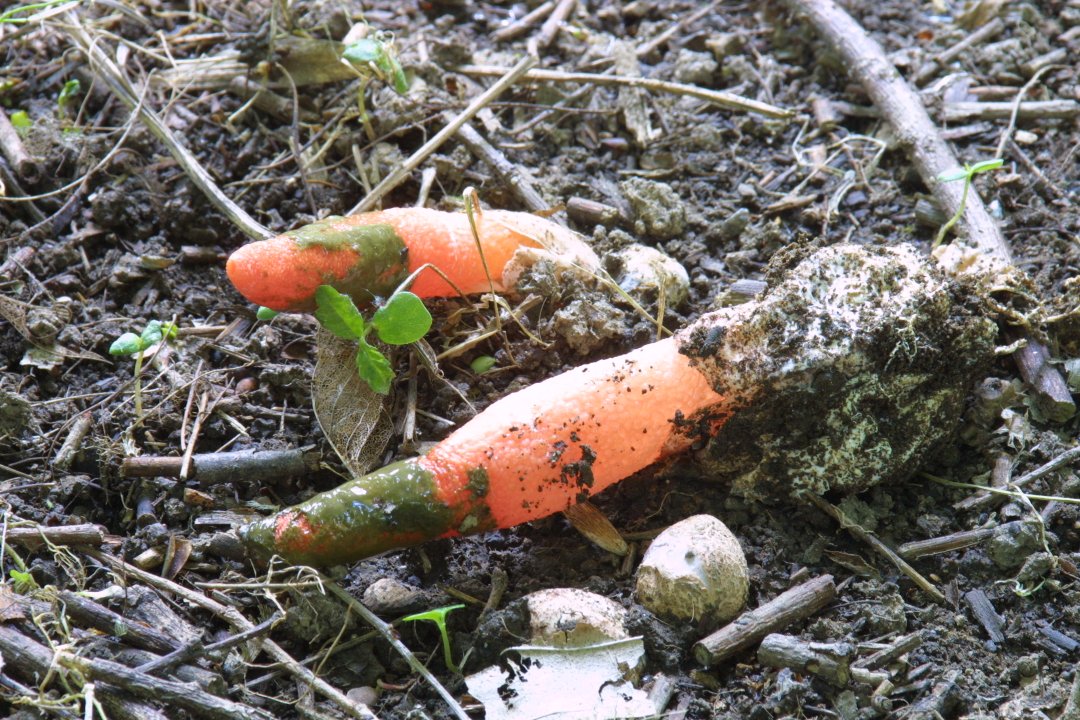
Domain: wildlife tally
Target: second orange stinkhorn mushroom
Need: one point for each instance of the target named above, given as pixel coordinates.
(875, 346)
(370, 254)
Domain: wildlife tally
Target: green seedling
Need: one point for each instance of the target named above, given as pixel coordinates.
(23, 582)
(131, 344)
(403, 319)
(266, 314)
(21, 121)
(967, 174)
(67, 95)
(482, 364)
(376, 54)
(438, 616)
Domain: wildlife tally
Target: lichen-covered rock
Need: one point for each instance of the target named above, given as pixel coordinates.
(657, 209)
(694, 571)
(849, 369)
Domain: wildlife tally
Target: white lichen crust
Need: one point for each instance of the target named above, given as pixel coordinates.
(852, 365)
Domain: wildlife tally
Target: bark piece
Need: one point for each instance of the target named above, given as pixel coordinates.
(798, 603)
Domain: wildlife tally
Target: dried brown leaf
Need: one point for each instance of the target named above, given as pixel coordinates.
(352, 415)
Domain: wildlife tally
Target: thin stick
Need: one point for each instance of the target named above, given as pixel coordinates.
(196, 648)
(966, 111)
(987, 31)
(931, 156)
(945, 543)
(1006, 134)
(717, 97)
(28, 169)
(398, 175)
(121, 87)
(678, 27)
(176, 694)
(73, 442)
(752, 626)
(554, 22)
(233, 616)
(522, 25)
(862, 534)
(215, 468)
(388, 633)
(894, 651)
(37, 535)
(509, 173)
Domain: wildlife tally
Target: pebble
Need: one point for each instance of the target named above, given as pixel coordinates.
(695, 68)
(364, 695)
(646, 269)
(569, 617)
(388, 596)
(657, 209)
(695, 571)
(1012, 543)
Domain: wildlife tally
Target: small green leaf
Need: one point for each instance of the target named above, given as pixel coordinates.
(392, 68)
(266, 314)
(151, 334)
(402, 320)
(68, 92)
(23, 581)
(438, 616)
(338, 314)
(21, 120)
(987, 165)
(365, 50)
(374, 368)
(482, 364)
(953, 175)
(127, 344)
(169, 330)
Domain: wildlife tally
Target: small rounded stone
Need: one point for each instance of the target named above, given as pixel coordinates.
(694, 571)
(569, 617)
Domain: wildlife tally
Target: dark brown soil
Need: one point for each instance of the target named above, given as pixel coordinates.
(105, 232)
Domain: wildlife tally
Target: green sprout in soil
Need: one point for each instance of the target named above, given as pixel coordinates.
(131, 344)
(21, 121)
(266, 314)
(438, 616)
(374, 57)
(967, 174)
(403, 319)
(482, 364)
(377, 55)
(22, 581)
(68, 94)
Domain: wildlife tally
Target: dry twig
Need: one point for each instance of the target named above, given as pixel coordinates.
(880, 547)
(119, 84)
(727, 100)
(233, 616)
(798, 603)
(398, 175)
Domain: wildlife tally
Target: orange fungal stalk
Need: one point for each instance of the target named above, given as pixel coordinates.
(835, 329)
(368, 255)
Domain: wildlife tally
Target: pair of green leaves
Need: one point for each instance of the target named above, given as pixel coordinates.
(403, 319)
(378, 54)
(131, 344)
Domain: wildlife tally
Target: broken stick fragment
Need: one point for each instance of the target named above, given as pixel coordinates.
(872, 347)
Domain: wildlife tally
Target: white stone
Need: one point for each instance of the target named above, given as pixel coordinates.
(694, 571)
(568, 617)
